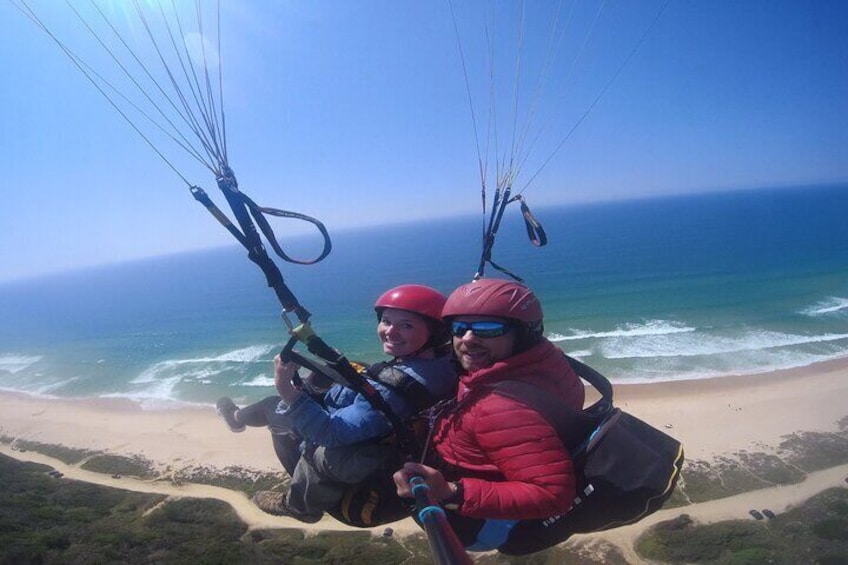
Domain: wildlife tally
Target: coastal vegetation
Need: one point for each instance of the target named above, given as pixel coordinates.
(47, 518)
(50, 519)
(814, 532)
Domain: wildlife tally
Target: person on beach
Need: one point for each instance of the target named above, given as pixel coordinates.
(493, 460)
(328, 442)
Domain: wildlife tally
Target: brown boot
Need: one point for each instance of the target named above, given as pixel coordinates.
(274, 502)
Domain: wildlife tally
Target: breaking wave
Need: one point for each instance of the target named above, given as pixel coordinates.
(828, 306)
(649, 328)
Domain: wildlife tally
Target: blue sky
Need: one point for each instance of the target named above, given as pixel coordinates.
(357, 113)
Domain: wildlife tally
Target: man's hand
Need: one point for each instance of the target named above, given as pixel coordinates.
(439, 487)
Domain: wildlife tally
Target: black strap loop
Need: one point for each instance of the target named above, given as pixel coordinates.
(246, 213)
(535, 231)
(258, 216)
(505, 271)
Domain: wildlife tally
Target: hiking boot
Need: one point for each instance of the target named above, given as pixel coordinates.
(274, 502)
(226, 409)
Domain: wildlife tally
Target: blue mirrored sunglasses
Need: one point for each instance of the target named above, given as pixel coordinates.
(479, 329)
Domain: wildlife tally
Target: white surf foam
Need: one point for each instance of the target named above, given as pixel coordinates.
(648, 328)
(203, 369)
(828, 306)
(259, 381)
(249, 354)
(14, 363)
(157, 390)
(703, 343)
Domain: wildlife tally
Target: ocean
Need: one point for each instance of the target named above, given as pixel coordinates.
(683, 287)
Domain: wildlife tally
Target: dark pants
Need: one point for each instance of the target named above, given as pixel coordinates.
(323, 474)
(320, 476)
(286, 443)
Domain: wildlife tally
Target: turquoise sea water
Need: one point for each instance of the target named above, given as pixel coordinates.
(648, 290)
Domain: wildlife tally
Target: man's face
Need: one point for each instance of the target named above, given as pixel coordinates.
(475, 352)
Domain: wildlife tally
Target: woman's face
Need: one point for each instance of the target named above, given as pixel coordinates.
(475, 352)
(402, 333)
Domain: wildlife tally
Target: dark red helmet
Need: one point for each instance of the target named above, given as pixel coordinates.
(420, 299)
(494, 297)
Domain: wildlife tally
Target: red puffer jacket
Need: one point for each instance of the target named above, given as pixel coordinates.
(511, 461)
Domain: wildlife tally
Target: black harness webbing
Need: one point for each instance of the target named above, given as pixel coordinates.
(413, 392)
(574, 426)
(351, 378)
(535, 231)
(246, 213)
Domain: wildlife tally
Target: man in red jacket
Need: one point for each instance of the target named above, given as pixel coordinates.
(497, 460)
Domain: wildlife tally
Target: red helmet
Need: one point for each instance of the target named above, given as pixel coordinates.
(420, 299)
(494, 297)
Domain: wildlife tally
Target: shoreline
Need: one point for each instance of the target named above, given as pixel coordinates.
(717, 419)
(638, 388)
(811, 398)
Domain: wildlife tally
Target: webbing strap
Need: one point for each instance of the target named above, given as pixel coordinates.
(412, 391)
(258, 213)
(535, 231)
(574, 426)
(593, 377)
(343, 372)
(246, 212)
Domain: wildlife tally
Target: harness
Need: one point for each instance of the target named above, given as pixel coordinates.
(574, 427)
(410, 389)
(416, 428)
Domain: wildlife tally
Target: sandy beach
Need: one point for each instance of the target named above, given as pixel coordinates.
(714, 418)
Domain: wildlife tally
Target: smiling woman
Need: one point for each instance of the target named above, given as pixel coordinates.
(410, 321)
(332, 440)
